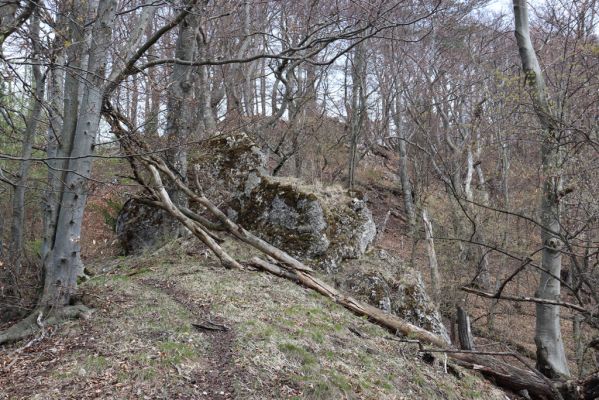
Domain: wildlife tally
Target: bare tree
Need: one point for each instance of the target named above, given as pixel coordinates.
(551, 357)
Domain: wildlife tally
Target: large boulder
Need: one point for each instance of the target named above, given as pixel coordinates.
(389, 284)
(226, 166)
(140, 227)
(222, 165)
(329, 228)
(321, 226)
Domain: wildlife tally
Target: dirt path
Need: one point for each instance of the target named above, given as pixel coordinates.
(215, 381)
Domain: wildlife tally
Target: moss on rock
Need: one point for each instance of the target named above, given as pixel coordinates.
(319, 226)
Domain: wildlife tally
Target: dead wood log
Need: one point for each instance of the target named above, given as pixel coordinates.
(464, 331)
(190, 224)
(392, 323)
(505, 375)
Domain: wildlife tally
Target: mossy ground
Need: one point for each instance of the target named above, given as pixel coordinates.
(284, 342)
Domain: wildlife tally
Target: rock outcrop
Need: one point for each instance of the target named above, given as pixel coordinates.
(227, 166)
(140, 227)
(385, 282)
(328, 228)
(223, 165)
(317, 225)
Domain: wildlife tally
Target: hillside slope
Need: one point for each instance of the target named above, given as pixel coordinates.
(282, 341)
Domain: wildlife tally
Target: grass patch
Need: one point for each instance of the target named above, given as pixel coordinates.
(298, 354)
(175, 352)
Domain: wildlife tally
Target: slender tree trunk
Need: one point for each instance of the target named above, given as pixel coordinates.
(18, 206)
(180, 106)
(432, 255)
(204, 90)
(404, 175)
(464, 330)
(551, 357)
(357, 110)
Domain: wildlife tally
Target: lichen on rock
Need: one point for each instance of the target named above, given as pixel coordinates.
(320, 226)
(222, 165)
(385, 282)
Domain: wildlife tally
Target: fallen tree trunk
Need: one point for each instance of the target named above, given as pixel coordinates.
(505, 375)
(376, 315)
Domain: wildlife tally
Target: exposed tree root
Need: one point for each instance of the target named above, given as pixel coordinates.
(37, 321)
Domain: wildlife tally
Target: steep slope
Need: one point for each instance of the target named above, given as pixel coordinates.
(280, 341)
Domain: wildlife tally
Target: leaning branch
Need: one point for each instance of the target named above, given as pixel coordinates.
(524, 299)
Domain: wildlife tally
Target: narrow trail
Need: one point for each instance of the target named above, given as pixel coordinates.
(216, 380)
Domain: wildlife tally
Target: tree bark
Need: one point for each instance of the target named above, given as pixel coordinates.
(551, 357)
(357, 111)
(18, 206)
(62, 264)
(464, 330)
(180, 105)
(404, 175)
(432, 255)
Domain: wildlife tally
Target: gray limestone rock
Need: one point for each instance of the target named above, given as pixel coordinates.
(140, 227)
(385, 282)
(223, 166)
(319, 226)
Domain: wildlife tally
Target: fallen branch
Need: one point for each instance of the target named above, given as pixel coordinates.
(391, 322)
(236, 230)
(193, 226)
(506, 375)
(210, 326)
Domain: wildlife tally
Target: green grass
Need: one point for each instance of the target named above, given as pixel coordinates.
(284, 336)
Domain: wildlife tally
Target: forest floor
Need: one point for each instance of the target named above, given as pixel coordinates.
(145, 340)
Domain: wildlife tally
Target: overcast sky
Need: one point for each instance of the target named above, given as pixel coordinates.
(501, 5)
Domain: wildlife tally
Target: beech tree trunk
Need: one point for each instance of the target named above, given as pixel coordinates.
(357, 112)
(432, 255)
(18, 205)
(464, 330)
(404, 175)
(62, 263)
(551, 357)
(180, 106)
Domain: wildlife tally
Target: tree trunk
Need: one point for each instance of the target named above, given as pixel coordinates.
(404, 175)
(180, 106)
(551, 358)
(464, 330)
(62, 264)
(63, 118)
(18, 206)
(432, 255)
(357, 111)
